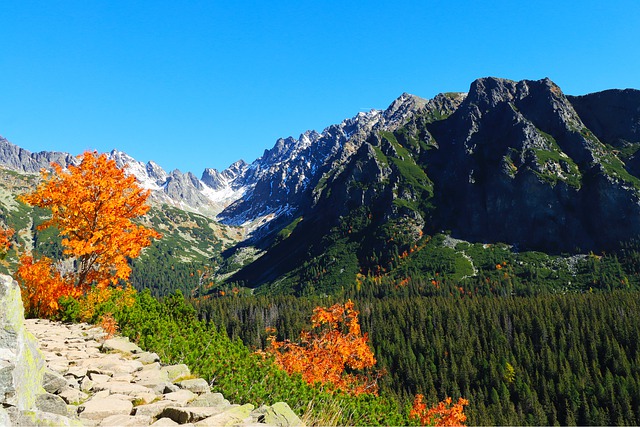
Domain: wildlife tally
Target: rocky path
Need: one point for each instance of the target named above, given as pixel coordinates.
(96, 382)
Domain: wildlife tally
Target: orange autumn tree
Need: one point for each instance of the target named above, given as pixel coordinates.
(443, 414)
(5, 240)
(323, 355)
(92, 205)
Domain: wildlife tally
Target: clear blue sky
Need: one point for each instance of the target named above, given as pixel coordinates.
(195, 84)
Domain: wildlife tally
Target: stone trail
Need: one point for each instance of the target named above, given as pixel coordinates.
(91, 381)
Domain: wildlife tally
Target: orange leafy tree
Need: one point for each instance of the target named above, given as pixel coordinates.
(443, 414)
(324, 354)
(42, 285)
(5, 240)
(92, 205)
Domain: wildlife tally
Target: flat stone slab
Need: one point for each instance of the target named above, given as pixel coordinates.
(153, 409)
(126, 421)
(167, 422)
(121, 344)
(210, 399)
(232, 416)
(117, 387)
(190, 414)
(101, 408)
(175, 372)
(72, 395)
(51, 403)
(147, 358)
(197, 385)
(182, 397)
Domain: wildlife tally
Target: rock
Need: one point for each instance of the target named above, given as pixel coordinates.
(100, 408)
(166, 422)
(175, 372)
(197, 385)
(86, 384)
(154, 409)
(182, 397)
(98, 378)
(155, 379)
(232, 416)
(73, 396)
(116, 387)
(51, 403)
(53, 382)
(4, 418)
(170, 388)
(183, 415)
(21, 364)
(280, 414)
(121, 344)
(147, 358)
(126, 421)
(39, 418)
(210, 399)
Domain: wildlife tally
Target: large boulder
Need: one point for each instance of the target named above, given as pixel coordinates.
(21, 363)
(23, 398)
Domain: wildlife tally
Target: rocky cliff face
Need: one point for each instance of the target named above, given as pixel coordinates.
(23, 398)
(508, 162)
(516, 163)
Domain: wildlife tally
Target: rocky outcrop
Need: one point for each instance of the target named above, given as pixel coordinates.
(24, 383)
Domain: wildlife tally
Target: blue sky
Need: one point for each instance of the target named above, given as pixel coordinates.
(196, 84)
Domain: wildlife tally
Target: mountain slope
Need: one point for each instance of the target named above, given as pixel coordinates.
(514, 163)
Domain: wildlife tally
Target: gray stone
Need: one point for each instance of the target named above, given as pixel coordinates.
(121, 344)
(116, 387)
(210, 399)
(4, 418)
(98, 378)
(39, 418)
(21, 363)
(154, 409)
(100, 408)
(182, 397)
(86, 384)
(280, 414)
(73, 396)
(51, 403)
(165, 422)
(170, 388)
(53, 382)
(197, 385)
(189, 414)
(232, 416)
(147, 358)
(176, 372)
(126, 421)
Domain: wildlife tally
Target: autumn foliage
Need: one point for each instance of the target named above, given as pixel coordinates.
(443, 414)
(92, 205)
(42, 285)
(323, 355)
(5, 240)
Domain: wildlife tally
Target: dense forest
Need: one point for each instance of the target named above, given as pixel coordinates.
(546, 359)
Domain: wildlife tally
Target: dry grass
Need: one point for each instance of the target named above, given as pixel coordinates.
(326, 413)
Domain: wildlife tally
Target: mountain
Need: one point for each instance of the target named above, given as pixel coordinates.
(513, 162)
(509, 162)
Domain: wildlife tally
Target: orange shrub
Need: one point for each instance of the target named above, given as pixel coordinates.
(322, 355)
(443, 414)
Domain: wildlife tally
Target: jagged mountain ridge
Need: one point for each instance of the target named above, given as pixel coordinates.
(517, 162)
(244, 194)
(514, 162)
